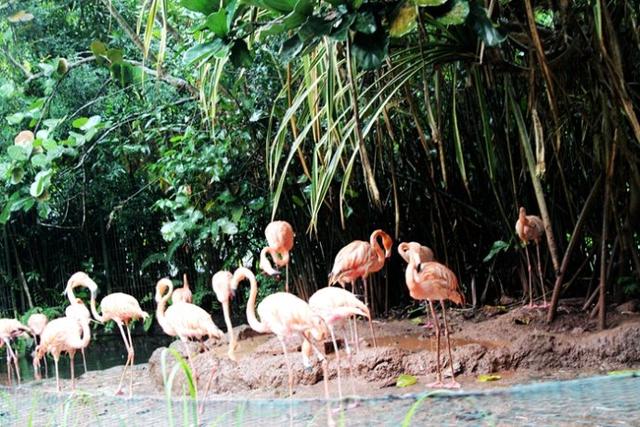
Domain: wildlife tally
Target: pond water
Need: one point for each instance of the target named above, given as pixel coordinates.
(104, 352)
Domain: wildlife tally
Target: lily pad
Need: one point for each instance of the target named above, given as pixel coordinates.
(405, 380)
(485, 378)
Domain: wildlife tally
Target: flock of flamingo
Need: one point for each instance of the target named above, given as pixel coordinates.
(282, 313)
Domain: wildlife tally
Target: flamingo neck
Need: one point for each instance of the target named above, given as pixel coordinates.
(185, 282)
(242, 274)
(227, 321)
(522, 216)
(71, 295)
(94, 310)
(265, 265)
(375, 245)
(86, 333)
(161, 308)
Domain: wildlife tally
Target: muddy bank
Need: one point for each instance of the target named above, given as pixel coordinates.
(518, 344)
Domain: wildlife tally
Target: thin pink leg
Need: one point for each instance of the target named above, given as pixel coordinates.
(84, 360)
(72, 355)
(55, 362)
(286, 358)
(544, 296)
(526, 251)
(124, 370)
(453, 383)
(335, 349)
(437, 383)
(323, 360)
(133, 355)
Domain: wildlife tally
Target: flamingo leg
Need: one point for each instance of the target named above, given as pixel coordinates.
(322, 359)
(286, 358)
(347, 348)
(335, 349)
(366, 291)
(46, 369)
(72, 355)
(544, 297)
(526, 251)
(84, 360)
(124, 370)
(357, 338)
(15, 362)
(206, 389)
(55, 362)
(453, 383)
(286, 278)
(373, 334)
(437, 383)
(132, 357)
(6, 343)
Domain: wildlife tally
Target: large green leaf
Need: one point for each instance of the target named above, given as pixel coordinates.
(217, 22)
(205, 51)
(370, 50)
(404, 20)
(41, 183)
(365, 23)
(457, 15)
(203, 6)
(430, 2)
(18, 153)
(282, 6)
(498, 246)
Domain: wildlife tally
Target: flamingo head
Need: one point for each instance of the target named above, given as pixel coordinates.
(82, 279)
(163, 286)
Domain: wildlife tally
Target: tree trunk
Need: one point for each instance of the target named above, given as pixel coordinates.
(23, 280)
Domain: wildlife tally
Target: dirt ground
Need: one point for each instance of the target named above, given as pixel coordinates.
(516, 344)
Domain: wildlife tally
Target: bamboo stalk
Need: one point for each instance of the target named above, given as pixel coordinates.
(557, 288)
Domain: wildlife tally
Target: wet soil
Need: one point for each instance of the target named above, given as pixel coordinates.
(517, 344)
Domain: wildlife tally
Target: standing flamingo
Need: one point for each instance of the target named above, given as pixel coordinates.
(119, 307)
(36, 323)
(224, 290)
(424, 252)
(433, 281)
(531, 228)
(182, 319)
(359, 259)
(182, 294)
(10, 329)
(63, 334)
(279, 243)
(284, 315)
(81, 312)
(335, 305)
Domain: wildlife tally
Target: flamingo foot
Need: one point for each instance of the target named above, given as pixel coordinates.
(453, 384)
(436, 384)
(119, 392)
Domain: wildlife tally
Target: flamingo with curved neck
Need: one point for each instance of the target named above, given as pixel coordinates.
(119, 307)
(221, 282)
(284, 315)
(280, 237)
(433, 281)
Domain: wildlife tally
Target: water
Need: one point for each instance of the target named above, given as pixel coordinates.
(602, 401)
(104, 352)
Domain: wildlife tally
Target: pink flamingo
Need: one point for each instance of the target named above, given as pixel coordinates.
(182, 294)
(63, 334)
(182, 319)
(79, 311)
(433, 281)
(279, 243)
(119, 307)
(284, 315)
(10, 329)
(531, 228)
(359, 259)
(36, 323)
(221, 282)
(424, 252)
(335, 305)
